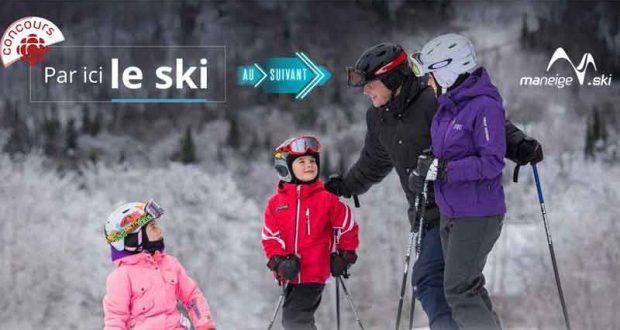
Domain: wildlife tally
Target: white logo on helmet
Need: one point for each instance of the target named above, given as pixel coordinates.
(440, 65)
(450, 55)
(398, 60)
(383, 69)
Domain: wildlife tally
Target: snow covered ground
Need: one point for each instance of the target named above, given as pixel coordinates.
(53, 255)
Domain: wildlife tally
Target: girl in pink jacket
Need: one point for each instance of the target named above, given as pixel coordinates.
(142, 292)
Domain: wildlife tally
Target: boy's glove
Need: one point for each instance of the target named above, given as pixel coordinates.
(335, 185)
(274, 262)
(341, 261)
(286, 267)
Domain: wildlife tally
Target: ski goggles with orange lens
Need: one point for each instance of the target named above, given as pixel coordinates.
(300, 145)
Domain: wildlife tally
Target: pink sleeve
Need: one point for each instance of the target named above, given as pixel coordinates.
(116, 301)
(194, 301)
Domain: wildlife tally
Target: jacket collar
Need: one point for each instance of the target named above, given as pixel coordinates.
(305, 190)
(140, 258)
(410, 89)
(477, 84)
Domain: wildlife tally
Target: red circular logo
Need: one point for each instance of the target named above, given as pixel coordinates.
(32, 49)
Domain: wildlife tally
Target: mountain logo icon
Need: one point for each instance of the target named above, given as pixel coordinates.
(580, 70)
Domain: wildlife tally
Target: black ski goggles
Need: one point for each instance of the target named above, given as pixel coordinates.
(358, 78)
(355, 77)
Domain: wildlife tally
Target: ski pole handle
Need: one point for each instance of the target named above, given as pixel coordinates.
(356, 201)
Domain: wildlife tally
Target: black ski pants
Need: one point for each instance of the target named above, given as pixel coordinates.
(300, 303)
(466, 243)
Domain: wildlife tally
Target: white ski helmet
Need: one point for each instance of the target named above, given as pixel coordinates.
(122, 228)
(446, 57)
(289, 150)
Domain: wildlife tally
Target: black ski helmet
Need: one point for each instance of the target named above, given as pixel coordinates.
(386, 61)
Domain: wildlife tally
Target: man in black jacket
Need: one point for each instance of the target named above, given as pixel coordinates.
(398, 131)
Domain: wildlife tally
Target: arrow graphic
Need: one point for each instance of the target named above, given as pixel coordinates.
(285, 75)
(261, 71)
(318, 75)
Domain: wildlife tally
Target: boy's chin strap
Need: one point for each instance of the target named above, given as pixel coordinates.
(297, 181)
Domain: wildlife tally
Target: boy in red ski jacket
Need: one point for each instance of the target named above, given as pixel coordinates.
(303, 225)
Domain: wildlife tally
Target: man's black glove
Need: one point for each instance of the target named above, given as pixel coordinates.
(341, 261)
(416, 182)
(426, 164)
(335, 185)
(529, 152)
(286, 267)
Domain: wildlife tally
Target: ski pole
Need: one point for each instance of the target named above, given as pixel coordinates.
(406, 271)
(550, 244)
(356, 201)
(412, 310)
(412, 239)
(275, 312)
(418, 247)
(350, 300)
(336, 242)
(337, 305)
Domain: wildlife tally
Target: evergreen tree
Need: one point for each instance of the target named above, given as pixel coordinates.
(234, 135)
(188, 150)
(596, 135)
(51, 134)
(86, 122)
(96, 124)
(20, 139)
(71, 137)
(525, 33)
(93, 157)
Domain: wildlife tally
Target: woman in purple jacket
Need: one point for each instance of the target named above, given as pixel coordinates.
(469, 144)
